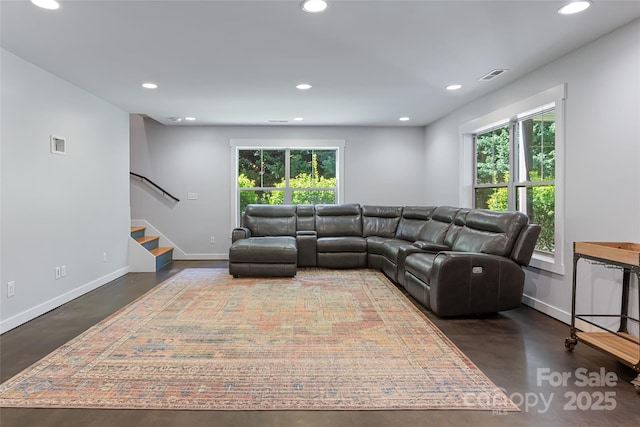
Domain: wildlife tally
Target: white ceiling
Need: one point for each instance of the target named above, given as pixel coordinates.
(237, 62)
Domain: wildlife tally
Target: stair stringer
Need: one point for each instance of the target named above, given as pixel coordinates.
(163, 241)
(140, 259)
(177, 252)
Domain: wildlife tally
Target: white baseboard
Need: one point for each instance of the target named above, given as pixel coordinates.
(547, 309)
(558, 314)
(40, 309)
(202, 257)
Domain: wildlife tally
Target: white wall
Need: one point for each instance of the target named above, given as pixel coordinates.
(602, 170)
(383, 165)
(58, 209)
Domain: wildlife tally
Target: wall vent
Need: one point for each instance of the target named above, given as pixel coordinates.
(278, 121)
(58, 145)
(492, 75)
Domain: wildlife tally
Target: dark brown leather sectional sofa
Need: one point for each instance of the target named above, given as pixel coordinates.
(455, 261)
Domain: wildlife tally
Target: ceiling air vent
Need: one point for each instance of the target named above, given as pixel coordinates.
(492, 75)
(278, 121)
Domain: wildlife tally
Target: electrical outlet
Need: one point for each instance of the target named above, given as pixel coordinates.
(212, 240)
(11, 289)
(63, 270)
(104, 256)
(57, 273)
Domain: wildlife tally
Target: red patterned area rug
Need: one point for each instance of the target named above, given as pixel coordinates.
(324, 340)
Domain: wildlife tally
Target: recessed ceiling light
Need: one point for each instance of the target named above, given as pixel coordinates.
(404, 119)
(313, 6)
(574, 7)
(190, 118)
(298, 119)
(47, 4)
(303, 86)
(149, 85)
(454, 87)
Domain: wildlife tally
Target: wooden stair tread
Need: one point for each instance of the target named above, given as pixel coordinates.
(135, 229)
(161, 250)
(145, 239)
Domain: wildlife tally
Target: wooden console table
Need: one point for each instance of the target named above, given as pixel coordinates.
(618, 344)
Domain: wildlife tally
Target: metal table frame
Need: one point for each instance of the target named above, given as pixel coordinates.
(622, 332)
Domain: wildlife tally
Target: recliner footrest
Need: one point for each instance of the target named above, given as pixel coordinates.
(265, 250)
(264, 256)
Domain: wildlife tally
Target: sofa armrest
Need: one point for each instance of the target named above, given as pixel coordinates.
(474, 283)
(307, 249)
(430, 247)
(240, 233)
(403, 253)
(417, 247)
(526, 244)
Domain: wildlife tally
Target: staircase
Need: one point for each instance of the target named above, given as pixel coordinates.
(162, 255)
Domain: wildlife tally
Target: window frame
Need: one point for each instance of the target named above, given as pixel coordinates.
(283, 144)
(553, 262)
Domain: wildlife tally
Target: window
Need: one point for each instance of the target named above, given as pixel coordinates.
(286, 176)
(259, 173)
(302, 172)
(512, 159)
(312, 177)
(515, 170)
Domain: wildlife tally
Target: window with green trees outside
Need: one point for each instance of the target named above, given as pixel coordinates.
(286, 176)
(515, 170)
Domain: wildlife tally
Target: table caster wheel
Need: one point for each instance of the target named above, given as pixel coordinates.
(570, 343)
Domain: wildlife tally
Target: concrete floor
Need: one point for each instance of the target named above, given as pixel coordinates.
(520, 350)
